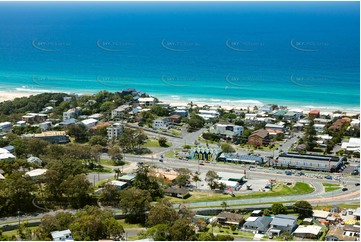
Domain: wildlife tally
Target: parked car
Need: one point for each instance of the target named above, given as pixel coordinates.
(357, 184)
(344, 189)
(328, 177)
(288, 173)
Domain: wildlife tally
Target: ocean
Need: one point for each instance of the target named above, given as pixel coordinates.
(300, 54)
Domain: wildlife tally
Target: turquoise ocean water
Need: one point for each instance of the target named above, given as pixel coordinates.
(302, 54)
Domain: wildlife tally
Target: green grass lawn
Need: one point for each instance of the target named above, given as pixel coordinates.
(155, 143)
(110, 163)
(228, 231)
(15, 232)
(281, 190)
(329, 187)
(171, 154)
(129, 226)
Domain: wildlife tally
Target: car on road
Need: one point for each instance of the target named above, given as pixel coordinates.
(328, 177)
(344, 189)
(201, 164)
(288, 173)
(357, 184)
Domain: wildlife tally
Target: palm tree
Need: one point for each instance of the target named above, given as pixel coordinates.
(224, 205)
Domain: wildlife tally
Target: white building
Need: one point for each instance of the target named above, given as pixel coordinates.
(5, 126)
(20, 123)
(208, 114)
(229, 129)
(45, 125)
(89, 122)
(96, 116)
(297, 111)
(5, 154)
(146, 101)
(319, 128)
(321, 120)
(36, 173)
(161, 123)
(63, 235)
(352, 145)
(355, 122)
(275, 127)
(266, 109)
(71, 113)
(47, 109)
(308, 231)
(115, 131)
(119, 111)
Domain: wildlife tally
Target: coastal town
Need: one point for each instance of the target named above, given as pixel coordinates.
(133, 167)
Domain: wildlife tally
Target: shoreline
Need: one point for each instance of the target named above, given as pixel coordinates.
(179, 101)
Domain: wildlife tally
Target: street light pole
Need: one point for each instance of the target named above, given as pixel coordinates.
(19, 217)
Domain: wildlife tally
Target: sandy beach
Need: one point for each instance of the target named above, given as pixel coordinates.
(5, 96)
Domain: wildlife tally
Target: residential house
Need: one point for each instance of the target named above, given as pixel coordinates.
(283, 223)
(119, 111)
(161, 123)
(28, 119)
(89, 122)
(66, 99)
(227, 218)
(208, 114)
(338, 124)
(291, 116)
(320, 214)
(308, 232)
(319, 128)
(176, 192)
(228, 129)
(20, 124)
(279, 114)
(352, 230)
(314, 114)
(181, 112)
(96, 116)
(36, 173)
(258, 224)
(54, 137)
(259, 137)
(146, 101)
(67, 122)
(128, 178)
(47, 109)
(115, 130)
(5, 126)
(175, 118)
(119, 185)
(5, 154)
(338, 234)
(298, 112)
(71, 113)
(64, 235)
(321, 121)
(45, 125)
(266, 109)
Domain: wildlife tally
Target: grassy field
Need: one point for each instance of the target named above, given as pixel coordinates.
(155, 143)
(329, 187)
(281, 190)
(129, 226)
(15, 232)
(110, 162)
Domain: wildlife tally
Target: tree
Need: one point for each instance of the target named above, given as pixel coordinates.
(266, 212)
(182, 230)
(98, 140)
(303, 208)
(146, 182)
(201, 224)
(205, 236)
(195, 122)
(162, 141)
(184, 176)
(135, 202)
(132, 139)
(211, 179)
(227, 148)
(115, 155)
(161, 214)
(159, 232)
(110, 196)
(76, 189)
(286, 236)
(79, 132)
(224, 205)
(159, 111)
(310, 136)
(278, 208)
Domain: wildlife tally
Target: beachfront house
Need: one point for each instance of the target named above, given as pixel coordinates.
(257, 224)
(146, 101)
(314, 114)
(283, 223)
(208, 114)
